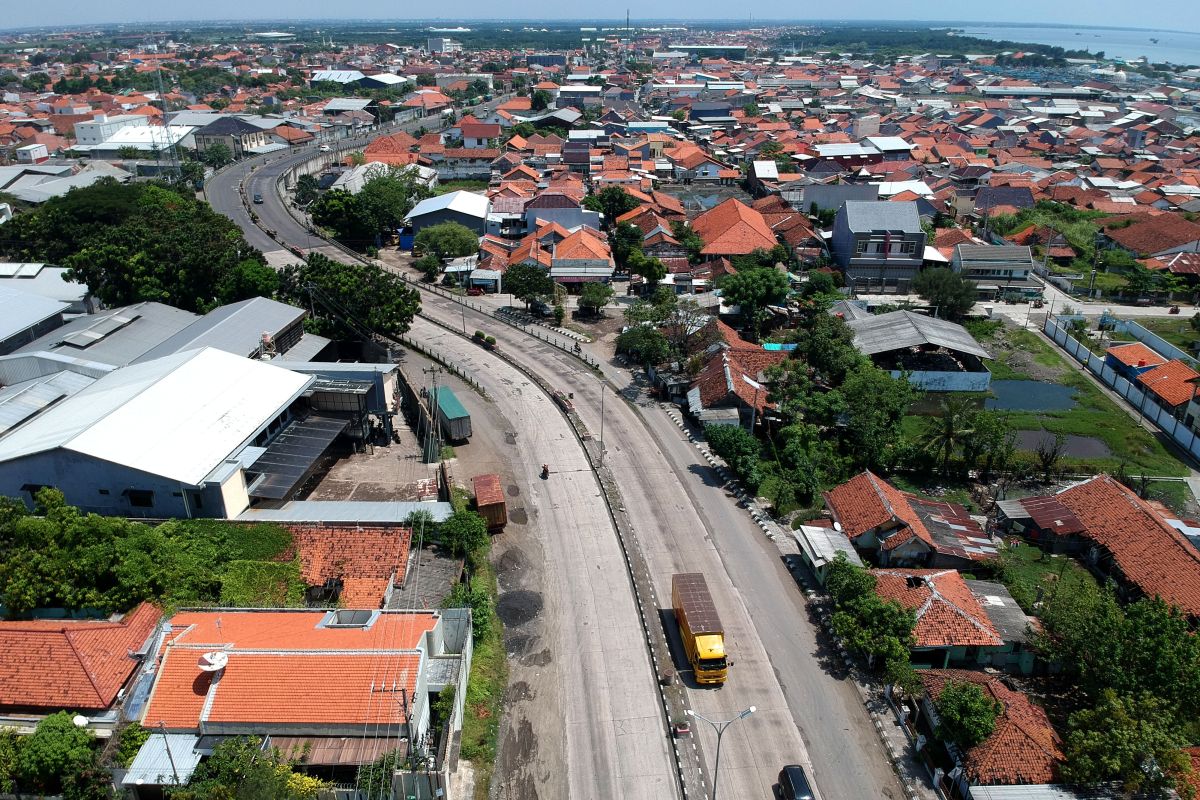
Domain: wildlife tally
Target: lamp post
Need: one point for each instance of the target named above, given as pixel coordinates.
(719, 727)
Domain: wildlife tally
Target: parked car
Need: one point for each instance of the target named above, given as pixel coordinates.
(793, 783)
(324, 148)
(258, 199)
(475, 291)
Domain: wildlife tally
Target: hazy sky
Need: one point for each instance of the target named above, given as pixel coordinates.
(1167, 14)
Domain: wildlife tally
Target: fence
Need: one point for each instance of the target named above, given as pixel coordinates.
(1150, 339)
(1134, 394)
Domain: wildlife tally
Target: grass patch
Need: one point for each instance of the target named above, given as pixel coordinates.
(951, 491)
(1175, 495)
(445, 187)
(447, 452)
(1024, 569)
(488, 677)
(1176, 330)
(262, 584)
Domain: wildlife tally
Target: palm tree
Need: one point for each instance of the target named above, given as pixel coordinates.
(945, 433)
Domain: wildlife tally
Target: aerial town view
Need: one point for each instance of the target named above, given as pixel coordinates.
(594, 403)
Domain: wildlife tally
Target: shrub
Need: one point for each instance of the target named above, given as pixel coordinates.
(491, 340)
(479, 335)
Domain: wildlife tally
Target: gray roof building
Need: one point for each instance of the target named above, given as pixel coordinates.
(117, 336)
(902, 329)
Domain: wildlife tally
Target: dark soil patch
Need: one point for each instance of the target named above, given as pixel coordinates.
(518, 607)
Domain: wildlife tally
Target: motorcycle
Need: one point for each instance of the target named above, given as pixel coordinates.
(545, 471)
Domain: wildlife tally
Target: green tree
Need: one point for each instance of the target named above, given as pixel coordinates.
(430, 266)
(624, 239)
(752, 291)
(139, 242)
(350, 299)
(54, 754)
(880, 630)
(127, 152)
(652, 270)
(306, 190)
(612, 202)
(448, 240)
(875, 407)
(945, 290)
(738, 448)
(342, 213)
(690, 240)
(217, 155)
(463, 532)
(191, 174)
(750, 109)
(375, 779)
(387, 198)
(594, 297)
(992, 444)
(645, 344)
(967, 716)
(528, 282)
(540, 100)
(241, 769)
(947, 431)
(1129, 740)
(130, 740)
(1141, 280)
(10, 745)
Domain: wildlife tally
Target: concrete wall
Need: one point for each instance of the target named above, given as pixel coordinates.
(477, 224)
(99, 486)
(949, 381)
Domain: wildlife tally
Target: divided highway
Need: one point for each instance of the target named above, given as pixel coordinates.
(807, 712)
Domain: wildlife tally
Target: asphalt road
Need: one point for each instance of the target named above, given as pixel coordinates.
(808, 711)
(587, 722)
(684, 522)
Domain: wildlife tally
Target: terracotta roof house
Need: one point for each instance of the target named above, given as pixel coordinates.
(394, 149)
(1131, 360)
(972, 624)
(1156, 236)
(1118, 534)
(1172, 385)
(76, 665)
(309, 678)
(354, 565)
(731, 387)
(733, 229)
(900, 528)
(1023, 749)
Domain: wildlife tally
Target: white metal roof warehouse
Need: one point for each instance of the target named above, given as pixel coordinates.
(161, 438)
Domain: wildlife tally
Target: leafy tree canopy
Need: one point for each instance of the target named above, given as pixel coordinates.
(136, 242)
(595, 296)
(967, 715)
(350, 299)
(448, 240)
(645, 344)
(753, 290)
(946, 291)
(528, 282)
(612, 202)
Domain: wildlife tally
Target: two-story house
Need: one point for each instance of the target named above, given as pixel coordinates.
(238, 135)
(997, 271)
(878, 242)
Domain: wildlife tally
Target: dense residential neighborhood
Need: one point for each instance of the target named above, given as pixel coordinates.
(508, 410)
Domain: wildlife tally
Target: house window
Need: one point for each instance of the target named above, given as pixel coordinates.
(860, 247)
(140, 498)
(908, 247)
(349, 618)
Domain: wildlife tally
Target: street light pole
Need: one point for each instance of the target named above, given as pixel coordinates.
(601, 422)
(719, 727)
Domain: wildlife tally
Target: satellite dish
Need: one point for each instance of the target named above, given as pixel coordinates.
(213, 662)
(80, 721)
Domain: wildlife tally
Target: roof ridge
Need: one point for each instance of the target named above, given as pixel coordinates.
(87, 671)
(955, 607)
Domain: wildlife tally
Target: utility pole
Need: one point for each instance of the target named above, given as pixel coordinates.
(433, 445)
(602, 422)
(162, 727)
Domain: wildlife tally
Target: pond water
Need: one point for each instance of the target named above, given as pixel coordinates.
(1074, 446)
(1030, 396)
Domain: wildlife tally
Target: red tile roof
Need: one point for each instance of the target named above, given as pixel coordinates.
(345, 676)
(487, 489)
(866, 501)
(1135, 355)
(364, 559)
(732, 228)
(948, 615)
(78, 665)
(1152, 555)
(1153, 234)
(1172, 382)
(1023, 748)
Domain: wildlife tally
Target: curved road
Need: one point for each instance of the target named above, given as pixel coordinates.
(683, 521)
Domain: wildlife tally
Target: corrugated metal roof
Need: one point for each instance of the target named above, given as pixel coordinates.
(235, 328)
(122, 344)
(178, 417)
(347, 512)
(24, 401)
(882, 215)
(154, 766)
(21, 310)
(900, 329)
(464, 202)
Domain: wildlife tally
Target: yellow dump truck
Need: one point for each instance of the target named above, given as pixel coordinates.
(699, 627)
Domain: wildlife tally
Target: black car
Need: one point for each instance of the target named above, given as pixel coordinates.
(793, 783)
(258, 199)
